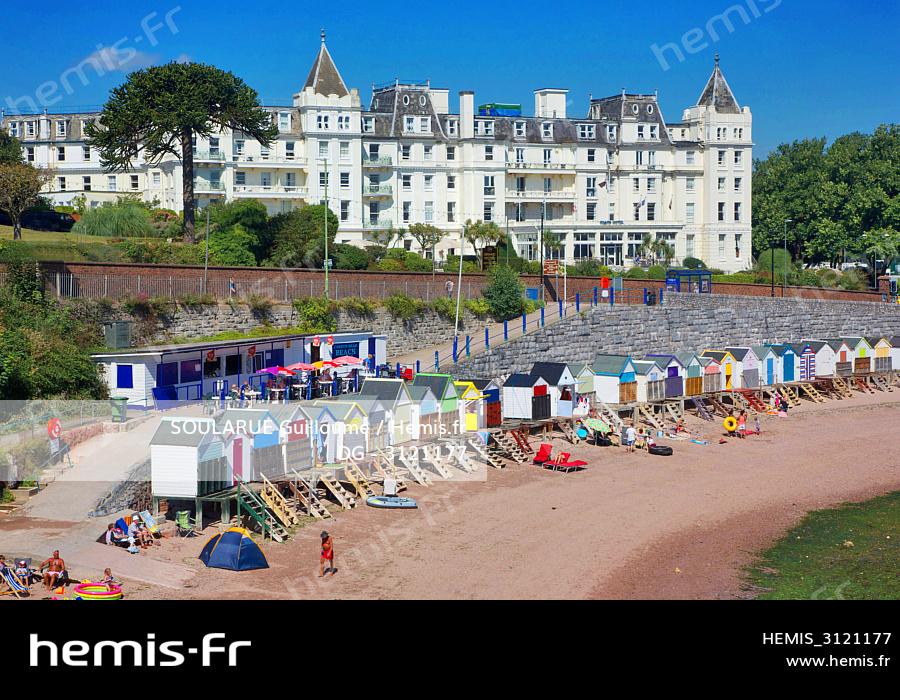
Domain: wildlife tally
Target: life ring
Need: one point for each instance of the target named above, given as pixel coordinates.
(97, 591)
(730, 424)
(661, 451)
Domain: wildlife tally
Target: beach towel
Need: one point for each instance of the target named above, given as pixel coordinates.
(598, 426)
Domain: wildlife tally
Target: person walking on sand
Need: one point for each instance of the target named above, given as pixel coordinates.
(630, 438)
(327, 555)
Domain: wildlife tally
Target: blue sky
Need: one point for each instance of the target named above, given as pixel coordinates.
(805, 68)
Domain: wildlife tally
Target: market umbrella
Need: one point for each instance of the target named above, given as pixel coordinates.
(277, 371)
(301, 367)
(347, 360)
(322, 364)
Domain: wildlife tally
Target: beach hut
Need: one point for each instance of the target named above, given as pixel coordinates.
(493, 413)
(863, 353)
(473, 405)
(376, 414)
(394, 395)
(252, 439)
(806, 362)
(187, 459)
(747, 366)
(615, 382)
(562, 387)
(526, 397)
(427, 411)
(882, 347)
(787, 363)
(826, 358)
(444, 390)
(712, 374)
(350, 428)
(769, 365)
(693, 381)
(894, 340)
(731, 378)
(294, 436)
(675, 371)
(651, 381)
(843, 356)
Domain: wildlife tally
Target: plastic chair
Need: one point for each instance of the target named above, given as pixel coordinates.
(184, 524)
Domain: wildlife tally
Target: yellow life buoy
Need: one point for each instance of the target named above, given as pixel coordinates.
(730, 424)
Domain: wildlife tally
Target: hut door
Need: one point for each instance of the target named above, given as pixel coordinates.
(729, 371)
(237, 462)
(788, 368)
(770, 371)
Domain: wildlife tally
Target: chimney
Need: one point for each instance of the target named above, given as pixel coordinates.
(467, 114)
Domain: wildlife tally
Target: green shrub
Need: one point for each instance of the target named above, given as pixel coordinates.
(470, 267)
(444, 307)
(233, 247)
(259, 305)
(737, 278)
(854, 281)
(349, 257)
(656, 272)
(477, 307)
(532, 305)
(504, 293)
(121, 220)
(694, 264)
(315, 315)
(403, 307)
(590, 268)
(357, 306)
(636, 273)
(197, 300)
(148, 307)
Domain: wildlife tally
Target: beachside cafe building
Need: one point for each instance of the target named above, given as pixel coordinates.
(161, 375)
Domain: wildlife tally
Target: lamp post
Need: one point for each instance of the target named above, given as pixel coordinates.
(543, 208)
(784, 280)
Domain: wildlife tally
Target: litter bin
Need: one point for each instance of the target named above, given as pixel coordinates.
(119, 409)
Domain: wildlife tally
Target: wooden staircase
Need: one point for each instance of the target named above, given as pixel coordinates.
(358, 480)
(413, 469)
(521, 439)
(569, 432)
(509, 447)
(673, 408)
(435, 461)
(863, 386)
(486, 454)
(702, 410)
(344, 498)
(789, 395)
(754, 403)
(609, 416)
(812, 393)
(385, 468)
(278, 504)
(253, 505)
(882, 383)
(842, 387)
(718, 407)
(306, 498)
(646, 412)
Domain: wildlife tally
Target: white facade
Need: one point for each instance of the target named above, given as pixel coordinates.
(604, 182)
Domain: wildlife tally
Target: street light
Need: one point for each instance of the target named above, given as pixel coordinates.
(784, 281)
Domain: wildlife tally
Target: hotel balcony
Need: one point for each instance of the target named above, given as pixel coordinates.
(203, 187)
(558, 168)
(209, 157)
(378, 191)
(379, 162)
(379, 224)
(269, 191)
(540, 196)
(269, 161)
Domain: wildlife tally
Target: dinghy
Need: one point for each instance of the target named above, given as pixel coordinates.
(391, 502)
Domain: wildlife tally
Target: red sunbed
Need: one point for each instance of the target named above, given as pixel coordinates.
(562, 463)
(543, 455)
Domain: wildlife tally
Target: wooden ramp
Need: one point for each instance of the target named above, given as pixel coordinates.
(812, 393)
(306, 498)
(344, 498)
(646, 412)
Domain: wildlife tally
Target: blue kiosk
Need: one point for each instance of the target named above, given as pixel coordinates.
(689, 281)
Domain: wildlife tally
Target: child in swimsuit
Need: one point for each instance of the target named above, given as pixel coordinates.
(327, 555)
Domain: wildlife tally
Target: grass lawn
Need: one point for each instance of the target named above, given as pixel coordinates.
(68, 247)
(851, 552)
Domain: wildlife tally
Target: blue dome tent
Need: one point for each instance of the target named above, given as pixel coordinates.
(233, 550)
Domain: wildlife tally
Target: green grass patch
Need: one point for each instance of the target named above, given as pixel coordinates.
(67, 247)
(256, 333)
(851, 552)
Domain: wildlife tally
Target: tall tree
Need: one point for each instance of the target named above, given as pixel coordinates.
(10, 148)
(480, 234)
(426, 235)
(20, 189)
(299, 237)
(159, 110)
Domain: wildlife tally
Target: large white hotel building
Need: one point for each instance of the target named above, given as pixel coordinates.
(605, 180)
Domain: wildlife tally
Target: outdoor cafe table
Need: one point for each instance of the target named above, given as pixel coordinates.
(276, 395)
(252, 396)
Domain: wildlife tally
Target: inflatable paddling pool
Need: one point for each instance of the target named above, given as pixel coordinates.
(97, 591)
(391, 502)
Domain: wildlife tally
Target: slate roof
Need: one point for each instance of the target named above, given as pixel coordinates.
(480, 384)
(419, 392)
(873, 340)
(643, 367)
(438, 383)
(520, 381)
(386, 390)
(610, 365)
(779, 350)
(717, 355)
(739, 353)
(762, 350)
(166, 434)
(550, 372)
(718, 94)
(685, 358)
(324, 77)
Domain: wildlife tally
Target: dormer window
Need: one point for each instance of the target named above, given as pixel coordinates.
(368, 125)
(61, 128)
(611, 132)
(409, 124)
(484, 128)
(29, 129)
(586, 132)
(452, 127)
(547, 130)
(520, 130)
(425, 125)
(284, 122)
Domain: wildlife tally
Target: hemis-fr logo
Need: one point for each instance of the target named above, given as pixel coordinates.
(213, 652)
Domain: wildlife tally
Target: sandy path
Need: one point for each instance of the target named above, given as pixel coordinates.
(618, 530)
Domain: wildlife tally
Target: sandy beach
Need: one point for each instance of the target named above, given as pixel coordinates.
(631, 526)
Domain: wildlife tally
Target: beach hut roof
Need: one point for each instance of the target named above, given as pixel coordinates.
(521, 381)
(550, 372)
(894, 340)
(779, 350)
(739, 353)
(171, 433)
(610, 365)
(643, 367)
(853, 340)
(441, 385)
(873, 340)
(481, 384)
(389, 391)
(251, 417)
(718, 355)
(577, 368)
(665, 356)
(420, 393)
(686, 358)
(762, 350)
(341, 410)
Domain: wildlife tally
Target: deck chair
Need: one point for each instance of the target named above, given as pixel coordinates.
(543, 455)
(185, 526)
(563, 464)
(9, 585)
